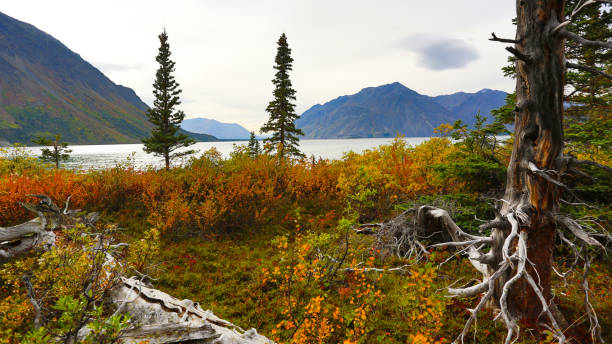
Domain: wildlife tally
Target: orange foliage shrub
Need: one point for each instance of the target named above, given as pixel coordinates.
(57, 184)
(239, 193)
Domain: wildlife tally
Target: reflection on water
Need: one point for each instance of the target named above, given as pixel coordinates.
(102, 156)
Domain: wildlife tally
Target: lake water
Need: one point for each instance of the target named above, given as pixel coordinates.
(102, 156)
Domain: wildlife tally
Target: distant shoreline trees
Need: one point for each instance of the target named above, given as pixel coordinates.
(165, 137)
(59, 151)
(281, 123)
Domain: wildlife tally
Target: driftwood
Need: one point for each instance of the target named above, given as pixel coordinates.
(160, 318)
(155, 316)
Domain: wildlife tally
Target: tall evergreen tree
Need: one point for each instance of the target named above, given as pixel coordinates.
(165, 137)
(282, 111)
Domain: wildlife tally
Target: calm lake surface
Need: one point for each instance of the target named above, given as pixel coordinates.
(103, 156)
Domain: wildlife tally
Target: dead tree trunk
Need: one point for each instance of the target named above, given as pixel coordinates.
(516, 270)
(538, 142)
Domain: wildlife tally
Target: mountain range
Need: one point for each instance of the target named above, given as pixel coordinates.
(392, 109)
(220, 130)
(465, 105)
(47, 89)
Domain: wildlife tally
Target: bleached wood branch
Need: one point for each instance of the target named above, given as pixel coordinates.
(473, 291)
(594, 327)
(577, 230)
(500, 223)
(535, 170)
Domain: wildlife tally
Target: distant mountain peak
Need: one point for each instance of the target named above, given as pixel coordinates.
(221, 130)
(386, 110)
(395, 84)
(381, 111)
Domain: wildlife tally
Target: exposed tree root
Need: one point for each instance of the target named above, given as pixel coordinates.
(501, 266)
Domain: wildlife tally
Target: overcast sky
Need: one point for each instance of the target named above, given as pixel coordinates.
(224, 50)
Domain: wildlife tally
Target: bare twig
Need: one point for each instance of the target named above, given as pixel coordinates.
(33, 301)
(594, 328)
(592, 163)
(401, 268)
(504, 40)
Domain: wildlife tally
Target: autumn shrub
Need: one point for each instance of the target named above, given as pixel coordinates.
(378, 178)
(240, 193)
(330, 288)
(69, 283)
(17, 160)
(57, 184)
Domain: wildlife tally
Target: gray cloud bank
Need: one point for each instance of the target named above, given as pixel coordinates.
(441, 53)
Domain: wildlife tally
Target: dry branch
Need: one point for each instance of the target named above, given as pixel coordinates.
(33, 301)
(588, 69)
(504, 40)
(595, 328)
(585, 42)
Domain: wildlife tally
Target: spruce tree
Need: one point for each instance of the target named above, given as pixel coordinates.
(281, 109)
(165, 137)
(254, 148)
(59, 151)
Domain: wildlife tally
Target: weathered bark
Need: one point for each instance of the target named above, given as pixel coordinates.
(538, 142)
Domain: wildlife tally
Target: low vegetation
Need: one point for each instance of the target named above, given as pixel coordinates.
(270, 243)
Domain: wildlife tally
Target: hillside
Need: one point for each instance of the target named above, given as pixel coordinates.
(226, 131)
(387, 110)
(45, 88)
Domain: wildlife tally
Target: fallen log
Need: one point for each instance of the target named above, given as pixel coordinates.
(155, 316)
